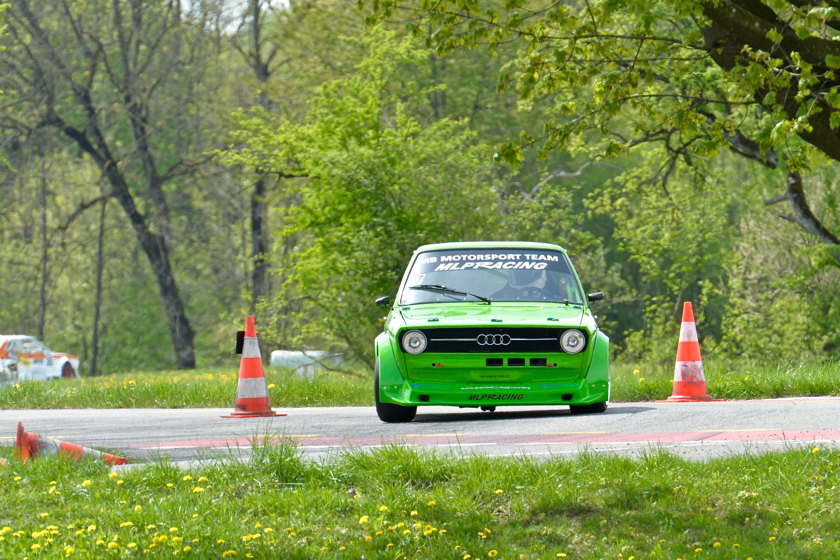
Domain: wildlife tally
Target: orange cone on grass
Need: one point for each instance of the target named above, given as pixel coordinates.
(29, 446)
(689, 379)
(252, 392)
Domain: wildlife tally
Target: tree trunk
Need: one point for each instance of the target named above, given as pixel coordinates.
(259, 252)
(97, 305)
(45, 248)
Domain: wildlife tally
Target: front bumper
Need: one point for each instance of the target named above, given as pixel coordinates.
(589, 386)
(414, 393)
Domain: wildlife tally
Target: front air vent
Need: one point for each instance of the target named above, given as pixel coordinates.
(495, 362)
(538, 362)
(516, 362)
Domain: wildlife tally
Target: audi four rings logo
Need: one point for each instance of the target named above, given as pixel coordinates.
(493, 339)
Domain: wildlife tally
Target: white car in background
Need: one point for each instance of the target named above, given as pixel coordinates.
(24, 358)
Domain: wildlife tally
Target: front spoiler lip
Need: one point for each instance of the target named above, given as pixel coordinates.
(577, 392)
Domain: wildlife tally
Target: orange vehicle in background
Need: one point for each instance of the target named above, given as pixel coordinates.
(24, 358)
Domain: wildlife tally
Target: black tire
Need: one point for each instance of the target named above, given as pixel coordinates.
(589, 408)
(390, 413)
(67, 371)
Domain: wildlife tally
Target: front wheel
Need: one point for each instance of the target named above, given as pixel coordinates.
(391, 413)
(589, 408)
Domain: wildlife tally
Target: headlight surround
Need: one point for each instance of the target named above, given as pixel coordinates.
(414, 342)
(572, 341)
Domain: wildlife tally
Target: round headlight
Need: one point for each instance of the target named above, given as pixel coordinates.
(414, 342)
(572, 341)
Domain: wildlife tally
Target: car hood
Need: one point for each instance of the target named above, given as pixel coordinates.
(497, 314)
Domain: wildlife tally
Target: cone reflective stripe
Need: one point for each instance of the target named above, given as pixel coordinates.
(252, 391)
(689, 378)
(32, 445)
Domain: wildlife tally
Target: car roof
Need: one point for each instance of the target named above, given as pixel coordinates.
(490, 245)
(4, 338)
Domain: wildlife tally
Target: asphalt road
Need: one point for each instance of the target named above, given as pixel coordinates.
(693, 430)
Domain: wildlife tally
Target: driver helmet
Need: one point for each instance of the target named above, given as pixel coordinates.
(527, 278)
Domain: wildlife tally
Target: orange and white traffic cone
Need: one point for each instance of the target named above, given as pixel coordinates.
(32, 445)
(252, 393)
(689, 380)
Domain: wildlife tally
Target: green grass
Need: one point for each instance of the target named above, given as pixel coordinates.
(276, 505)
(217, 387)
(180, 389)
(729, 380)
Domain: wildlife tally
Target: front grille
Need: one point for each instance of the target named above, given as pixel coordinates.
(495, 340)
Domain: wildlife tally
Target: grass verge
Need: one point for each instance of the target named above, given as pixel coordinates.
(180, 389)
(217, 388)
(730, 380)
(400, 503)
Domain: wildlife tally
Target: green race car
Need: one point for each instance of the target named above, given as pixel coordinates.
(484, 324)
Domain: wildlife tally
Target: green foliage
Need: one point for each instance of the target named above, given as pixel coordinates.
(379, 183)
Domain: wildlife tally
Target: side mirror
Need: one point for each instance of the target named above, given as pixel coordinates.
(383, 301)
(597, 296)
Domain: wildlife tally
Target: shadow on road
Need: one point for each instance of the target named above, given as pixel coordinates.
(501, 414)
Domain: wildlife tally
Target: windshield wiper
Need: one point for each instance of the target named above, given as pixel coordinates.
(446, 291)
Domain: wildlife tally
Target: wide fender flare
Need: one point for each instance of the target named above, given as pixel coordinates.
(599, 366)
(389, 369)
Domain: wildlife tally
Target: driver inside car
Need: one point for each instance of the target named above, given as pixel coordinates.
(530, 285)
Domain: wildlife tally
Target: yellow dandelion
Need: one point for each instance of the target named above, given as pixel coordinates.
(120, 482)
(635, 372)
(177, 539)
(271, 386)
(418, 526)
(114, 475)
(716, 545)
(378, 533)
(406, 532)
(389, 545)
(772, 539)
(173, 529)
(100, 542)
(431, 503)
(36, 547)
(815, 450)
(132, 545)
(698, 550)
(112, 545)
(442, 531)
(126, 524)
(499, 491)
(747, 378)
(383, 508)
(138, 509)
(270, 530)
(363, 519)
(736, 545)
(457, 548)
(202, 479)
(220, 541)
(86, 483)
(292, 535)
(169, 485)
(17, 479)
(492, 554)
(400, 525)
(91, 528)
(641, 380)
(194, 515)
(342, 548)
(186, 478)
(198, 490)
(413, 513)
(368, 538)
(187, 549)
(560, 555)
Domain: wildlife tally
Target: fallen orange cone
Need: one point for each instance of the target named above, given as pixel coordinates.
(32, 445)
(252, 392)
(689, 379)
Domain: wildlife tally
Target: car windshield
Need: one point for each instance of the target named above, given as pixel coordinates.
(32, 346)
(498, 274)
